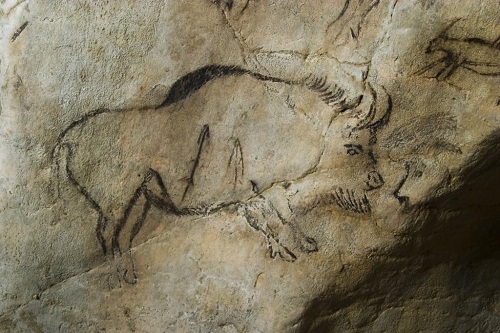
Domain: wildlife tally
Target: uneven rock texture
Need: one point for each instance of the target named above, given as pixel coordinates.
(249, 166)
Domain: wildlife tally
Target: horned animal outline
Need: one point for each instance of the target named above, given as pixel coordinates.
(121, 216)
(474, 54)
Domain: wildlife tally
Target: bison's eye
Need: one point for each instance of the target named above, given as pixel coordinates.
(353, 149)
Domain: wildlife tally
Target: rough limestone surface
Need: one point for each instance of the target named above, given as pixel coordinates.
(249, 166)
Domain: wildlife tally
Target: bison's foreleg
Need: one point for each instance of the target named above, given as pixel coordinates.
(261, 216)
(450, 68)
(284, 238)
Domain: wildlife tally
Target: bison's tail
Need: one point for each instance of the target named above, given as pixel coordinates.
(63, 149)
(59, 156)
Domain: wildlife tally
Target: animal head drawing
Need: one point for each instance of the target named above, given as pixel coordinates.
(348, 155)
(437, 43)
(224, 4)
(362, 135)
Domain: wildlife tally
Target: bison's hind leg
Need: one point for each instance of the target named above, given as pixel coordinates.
(151, 192)
(104, 233)
(125, 231)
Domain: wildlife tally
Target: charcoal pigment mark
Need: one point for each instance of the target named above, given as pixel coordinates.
(188, 84)
(118, 226)
(204, 135)
(294, 68)
(473, 54)
(18, 31)
(421, 134)
(236, 160)
(349, 191)
(369, 122)
(342, 13)
(346, 199)
(193, 81)
(262, 206)
(101, 220)
(245, 6)
(61, 144)
(332, 96)
(353, 12)
(351, 201)
(402, 199)
(253, 214)
(355, 34)
(226, 4)
(418, 172)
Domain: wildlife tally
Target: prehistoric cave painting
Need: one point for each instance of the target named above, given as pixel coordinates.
(422, 176)
(343, 16)
(18, 31)
(123, 179)
(433, 133)
(403, 199)
(474, 54)
(236, 163)
(414, 138)
(344, 84)
(351, 19)
(346, 173)
(204, 135)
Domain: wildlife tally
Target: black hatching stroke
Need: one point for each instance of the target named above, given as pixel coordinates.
(18, 31)
(204, 135)
(236, 161)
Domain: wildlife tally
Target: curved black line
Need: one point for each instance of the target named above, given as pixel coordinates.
(193, 81)
(402, 199)
(75, 123)
(83, 190)
(387, 115)
(424, 69)
(484, 74)
(475, 40)
(368, 118)
(244, 7)
(476, 63)
(342, 12)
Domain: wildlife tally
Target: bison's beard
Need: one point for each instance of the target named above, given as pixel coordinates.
(351, 200)
(354, 201)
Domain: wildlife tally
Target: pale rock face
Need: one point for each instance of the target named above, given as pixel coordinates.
(249, 166)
